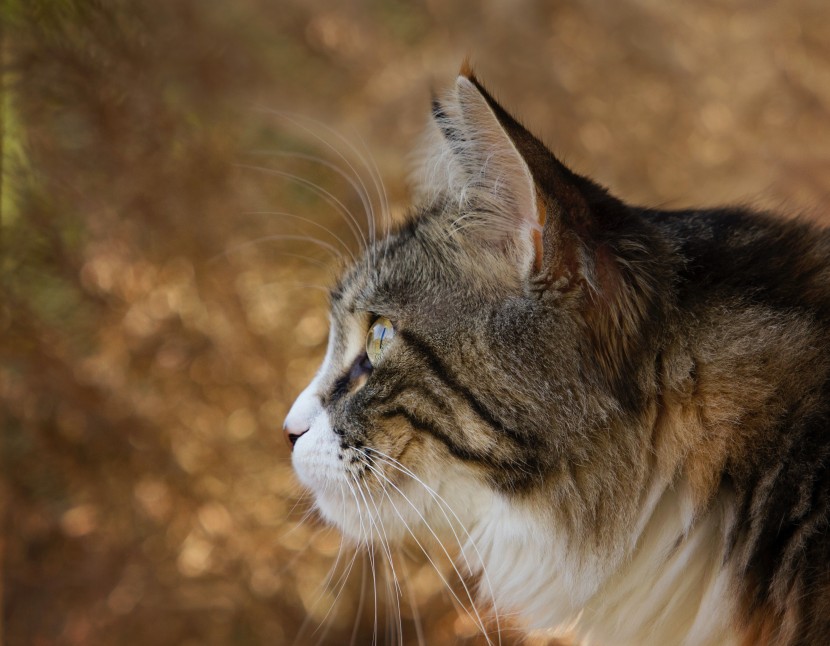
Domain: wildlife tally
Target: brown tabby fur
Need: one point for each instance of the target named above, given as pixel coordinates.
(579, 355)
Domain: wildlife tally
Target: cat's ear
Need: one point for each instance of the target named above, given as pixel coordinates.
(470, 159)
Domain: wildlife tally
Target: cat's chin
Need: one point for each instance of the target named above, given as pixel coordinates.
(443, 507)
(315, 457)
(336, 510)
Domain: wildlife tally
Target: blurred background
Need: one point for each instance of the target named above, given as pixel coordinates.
(159, 312)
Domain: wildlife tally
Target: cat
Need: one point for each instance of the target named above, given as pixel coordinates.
(620, 413)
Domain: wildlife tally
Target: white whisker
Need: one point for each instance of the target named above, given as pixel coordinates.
(377, 180)
(477, 618)
(413, 605)
(359, 187)
(314, 261)
(442, 505)
(360, 602)
(375, 177)
(334, 251)
(384, 542)
(327, 197)
(314, 223)
(370, 550)
(302, 121)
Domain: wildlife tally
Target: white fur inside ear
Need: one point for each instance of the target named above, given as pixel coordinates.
(468, 159)
(499, 175)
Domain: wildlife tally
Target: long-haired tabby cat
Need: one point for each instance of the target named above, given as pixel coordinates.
(622, 412)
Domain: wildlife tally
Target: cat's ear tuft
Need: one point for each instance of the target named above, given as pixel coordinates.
(449, 128)
(471, 161)
(467, 69)
(499, 181)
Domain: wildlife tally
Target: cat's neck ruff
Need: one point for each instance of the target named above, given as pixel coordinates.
(669, 581)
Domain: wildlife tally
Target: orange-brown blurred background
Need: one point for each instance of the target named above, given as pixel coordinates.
(157, 315)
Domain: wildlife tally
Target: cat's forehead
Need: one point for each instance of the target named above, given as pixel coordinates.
(422, 268)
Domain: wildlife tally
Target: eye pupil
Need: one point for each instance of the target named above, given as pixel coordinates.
(378, 338)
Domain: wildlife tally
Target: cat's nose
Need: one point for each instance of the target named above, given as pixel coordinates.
(302, 415)
(292, 432)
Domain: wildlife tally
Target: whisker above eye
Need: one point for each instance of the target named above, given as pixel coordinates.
(310, 221)
(327, 197)
(314, 261)
(369, 164)
(358, 186)
(308, 124)
(287, 237)
(299, 285)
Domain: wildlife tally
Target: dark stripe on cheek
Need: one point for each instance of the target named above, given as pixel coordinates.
(437, 366)
(425, 426)
(419, 389)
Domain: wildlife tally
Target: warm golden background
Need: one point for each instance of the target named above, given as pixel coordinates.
(155, 327)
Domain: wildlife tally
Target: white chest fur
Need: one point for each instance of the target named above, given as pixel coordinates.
(667, 587)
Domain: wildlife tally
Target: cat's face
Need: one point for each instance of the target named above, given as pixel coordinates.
(383, 425)
(437, 410)
(474, 385)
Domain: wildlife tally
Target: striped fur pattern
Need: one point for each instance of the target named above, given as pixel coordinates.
(620, 415)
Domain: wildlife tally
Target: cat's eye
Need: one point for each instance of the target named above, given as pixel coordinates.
(378, 339)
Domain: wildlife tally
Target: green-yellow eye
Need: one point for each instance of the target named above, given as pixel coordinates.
(378, 339)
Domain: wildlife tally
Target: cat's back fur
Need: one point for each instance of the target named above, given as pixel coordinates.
(626, 409)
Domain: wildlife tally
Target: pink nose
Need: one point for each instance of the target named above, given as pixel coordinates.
(293, 433)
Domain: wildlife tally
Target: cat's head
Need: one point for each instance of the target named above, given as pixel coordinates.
(476, 352)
